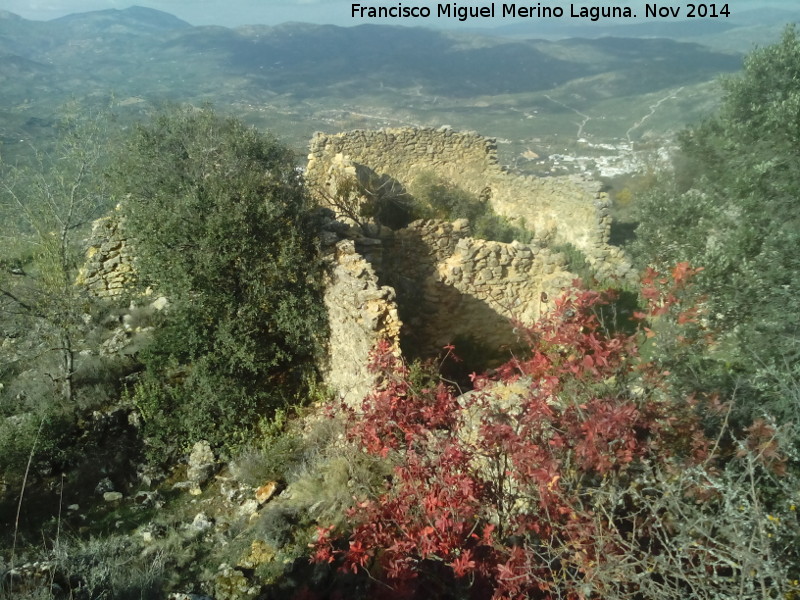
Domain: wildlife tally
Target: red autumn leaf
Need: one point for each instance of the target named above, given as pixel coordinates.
(463, 564)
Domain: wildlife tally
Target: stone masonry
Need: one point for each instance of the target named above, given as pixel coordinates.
(453, 286)
(109, 267)
(556, 210)
(360, 310)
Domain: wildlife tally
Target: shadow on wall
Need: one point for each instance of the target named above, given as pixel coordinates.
(435, 314)
(450, 286)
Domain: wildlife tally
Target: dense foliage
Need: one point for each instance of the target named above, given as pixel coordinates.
(221, 226)
(577, 472)
(731, 206)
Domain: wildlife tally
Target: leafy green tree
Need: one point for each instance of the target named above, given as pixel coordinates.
(731, 207)
(221, 224)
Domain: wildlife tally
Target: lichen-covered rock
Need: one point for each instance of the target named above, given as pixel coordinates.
(265, 492)
(232, 584)
(260, 553)
(201, 522)
(202, 463)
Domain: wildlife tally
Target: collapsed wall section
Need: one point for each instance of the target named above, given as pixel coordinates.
(361, 313)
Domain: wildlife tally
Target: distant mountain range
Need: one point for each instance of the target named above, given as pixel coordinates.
(750, 26)
(297, 78)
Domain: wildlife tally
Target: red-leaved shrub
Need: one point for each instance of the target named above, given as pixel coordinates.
(572, 472)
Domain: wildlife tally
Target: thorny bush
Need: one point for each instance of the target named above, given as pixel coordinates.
(575, 472)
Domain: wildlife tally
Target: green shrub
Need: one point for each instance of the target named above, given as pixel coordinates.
(498, 228)
(437, 198)
(222, 226)
(272, 455)
(731, 207)
(48, 438)
(440, 199)
(577, 262)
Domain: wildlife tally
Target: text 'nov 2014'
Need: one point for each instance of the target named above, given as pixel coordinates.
(506, 10)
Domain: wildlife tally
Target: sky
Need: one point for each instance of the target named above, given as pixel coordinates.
(232, 13)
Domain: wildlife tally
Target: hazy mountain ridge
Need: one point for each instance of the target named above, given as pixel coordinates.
(296, 78)
(288, 57)
(294, 58)
(751, 24)
(681, 29)
(138, 18)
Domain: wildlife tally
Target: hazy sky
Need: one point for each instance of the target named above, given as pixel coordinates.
(271, 12)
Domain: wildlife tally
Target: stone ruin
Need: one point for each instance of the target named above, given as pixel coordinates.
(556, 210)
(446, 285)
(109, 268)
(425, 286)
(430, 283)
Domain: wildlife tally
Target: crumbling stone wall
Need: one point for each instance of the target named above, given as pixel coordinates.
(466, 158)
(570, 209)
(429, 283)
(109, 267)
(361, 312)
(452, 286)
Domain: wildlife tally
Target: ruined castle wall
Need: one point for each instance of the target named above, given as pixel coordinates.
(442, 283)
(454, 286)
(109, 267)
(556, 209)
(405, 153)
(361, 313)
